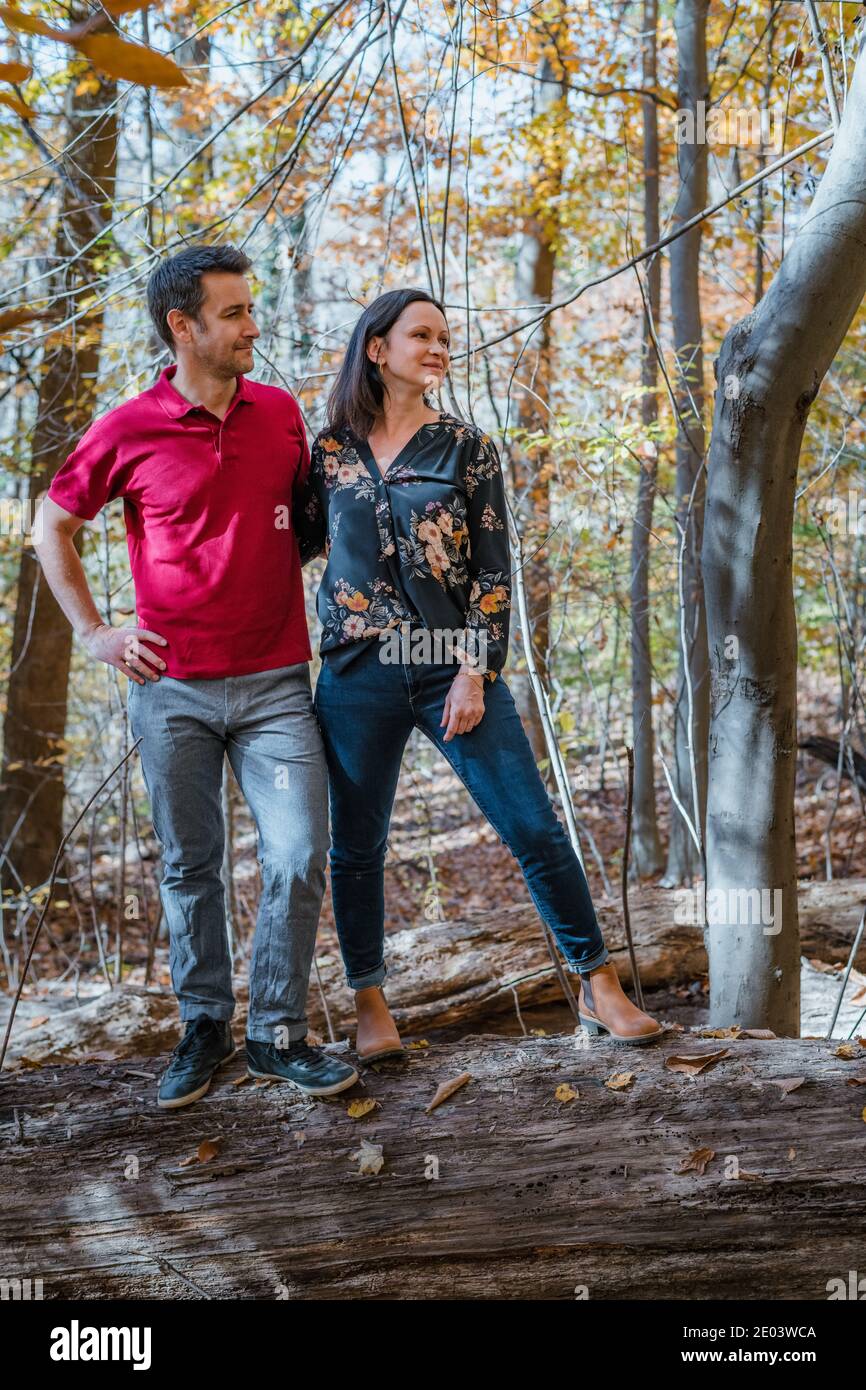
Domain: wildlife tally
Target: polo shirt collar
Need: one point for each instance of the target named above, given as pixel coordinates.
(176, 405)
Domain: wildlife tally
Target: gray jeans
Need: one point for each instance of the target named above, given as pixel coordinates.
(266, 724)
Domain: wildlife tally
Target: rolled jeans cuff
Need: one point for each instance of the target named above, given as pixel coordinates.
(370, 977)
(583, 967)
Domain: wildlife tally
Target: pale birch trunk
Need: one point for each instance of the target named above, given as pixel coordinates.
(684, 863)
(769, 372)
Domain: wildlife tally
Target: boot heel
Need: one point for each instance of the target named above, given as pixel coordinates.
(590, 1025)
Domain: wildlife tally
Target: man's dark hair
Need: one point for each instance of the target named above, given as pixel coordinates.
(175, 283)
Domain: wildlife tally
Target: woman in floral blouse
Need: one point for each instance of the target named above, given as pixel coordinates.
(408, 504)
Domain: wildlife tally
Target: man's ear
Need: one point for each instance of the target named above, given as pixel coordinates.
(176, 321)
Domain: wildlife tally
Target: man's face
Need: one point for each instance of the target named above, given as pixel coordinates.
(223, 341)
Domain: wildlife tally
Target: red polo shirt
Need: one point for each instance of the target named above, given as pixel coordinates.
(207, 505)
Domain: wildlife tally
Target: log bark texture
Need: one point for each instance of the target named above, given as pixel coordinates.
(504, 1191)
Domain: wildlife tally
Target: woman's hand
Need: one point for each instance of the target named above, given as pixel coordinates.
(464, 704)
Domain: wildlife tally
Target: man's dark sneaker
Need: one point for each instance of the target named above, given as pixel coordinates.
(308, 1068)
(206, 1045)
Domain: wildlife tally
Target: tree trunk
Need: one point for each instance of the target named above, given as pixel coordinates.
(531, 465)
(769, 371)
(646, 846)
(505, 1190)
(31, 815)
(684, 861)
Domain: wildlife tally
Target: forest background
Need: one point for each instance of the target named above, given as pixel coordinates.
(517, 162)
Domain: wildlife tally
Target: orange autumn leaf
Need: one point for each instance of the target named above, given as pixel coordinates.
(359, 1108)
(29, 24)
(619, 1080)
(16, 104)
(697, 1161)
(207, 1149)
(447, 1089)
(14, 72)
(695, 1063)
(116, 7)
(131, 62)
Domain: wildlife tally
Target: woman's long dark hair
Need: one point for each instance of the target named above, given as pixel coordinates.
(357, 398)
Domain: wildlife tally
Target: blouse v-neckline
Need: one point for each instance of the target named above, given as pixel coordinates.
(370, 458)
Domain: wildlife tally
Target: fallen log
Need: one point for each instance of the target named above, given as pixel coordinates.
(467, 972)
(826, 750)
(443, 974)
(724, 1184)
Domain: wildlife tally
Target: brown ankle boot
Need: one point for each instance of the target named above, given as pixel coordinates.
(377, 1031)
(602, 1004)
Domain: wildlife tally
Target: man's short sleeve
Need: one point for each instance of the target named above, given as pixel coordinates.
(92, 474)
(303, 464)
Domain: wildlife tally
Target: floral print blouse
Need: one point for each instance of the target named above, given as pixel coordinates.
(427, 544)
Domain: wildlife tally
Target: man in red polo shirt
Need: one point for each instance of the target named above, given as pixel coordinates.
(209, 465)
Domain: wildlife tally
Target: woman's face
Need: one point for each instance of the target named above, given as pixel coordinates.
(415, 352)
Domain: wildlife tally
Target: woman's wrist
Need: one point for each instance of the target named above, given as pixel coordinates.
(477, 677)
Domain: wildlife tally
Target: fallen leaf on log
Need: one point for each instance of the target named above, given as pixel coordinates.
(413, 1046)
(447, 1089)
(207, 1149)
(619, 1080)
(857, 1080)
(735, 1031)
(697, 1161)
(565, 1092)
(37, 1022)
(696, 1062)
(359, 1108)
(825, 967)
(787, 1083)
(749, 1177)
(370, 1157)
(847, 1052)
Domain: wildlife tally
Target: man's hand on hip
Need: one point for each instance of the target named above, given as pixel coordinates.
(124, 648)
